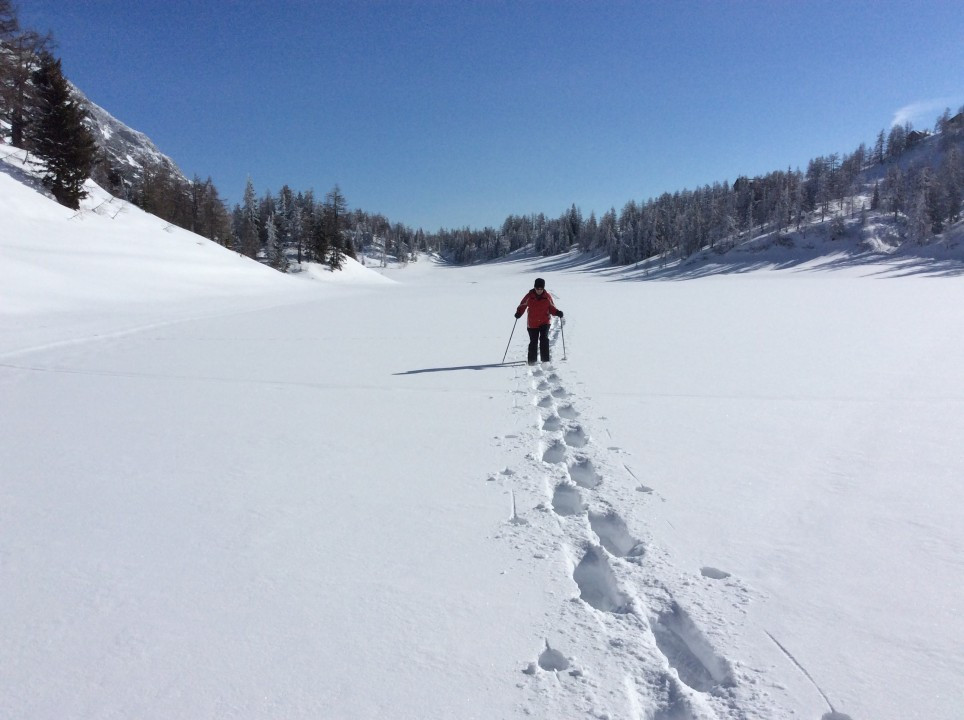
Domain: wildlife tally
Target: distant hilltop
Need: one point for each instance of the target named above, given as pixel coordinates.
(124, 154)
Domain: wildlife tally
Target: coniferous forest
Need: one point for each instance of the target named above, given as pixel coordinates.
(924, 195)
(42, 113)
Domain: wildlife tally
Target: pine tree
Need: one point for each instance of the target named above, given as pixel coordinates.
(896, 141)
(334, 218)
(266, 208)
(590, 233)
(895, 189)
(271, 235)
(942, 123)
(879, 149)
(285, 217)
(318, 235)
(573, 231)
(210, 217)
(9, 28)
(275, 245)
(23, 51)
(935, 200)
(307, 224)
(59, 136)
(248, 232)
(918, 215)
(952, 181)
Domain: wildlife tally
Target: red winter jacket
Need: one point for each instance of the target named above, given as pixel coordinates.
(540, 308)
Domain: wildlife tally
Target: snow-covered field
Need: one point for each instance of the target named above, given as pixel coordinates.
(225, 493)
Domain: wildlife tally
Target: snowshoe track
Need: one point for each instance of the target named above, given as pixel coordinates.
(648, 657)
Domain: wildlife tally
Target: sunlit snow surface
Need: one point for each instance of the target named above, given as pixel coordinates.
(229, 493)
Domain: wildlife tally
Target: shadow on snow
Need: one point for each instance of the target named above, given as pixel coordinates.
(460, 367)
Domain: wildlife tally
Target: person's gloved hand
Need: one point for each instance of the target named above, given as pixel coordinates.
(517, 315)
(559, 313)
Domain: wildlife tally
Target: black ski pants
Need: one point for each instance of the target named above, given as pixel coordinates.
(539, 337)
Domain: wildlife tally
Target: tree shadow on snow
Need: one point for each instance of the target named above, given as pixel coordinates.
(809, 262)
(17, 170)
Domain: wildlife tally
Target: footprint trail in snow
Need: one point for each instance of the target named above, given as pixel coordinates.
(623, 645)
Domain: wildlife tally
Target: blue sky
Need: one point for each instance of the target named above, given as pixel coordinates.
(460, 113)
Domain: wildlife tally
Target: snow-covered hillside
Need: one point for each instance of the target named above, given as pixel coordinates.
(129, 151)
(850, 234)
(226, 492)
(64, 266)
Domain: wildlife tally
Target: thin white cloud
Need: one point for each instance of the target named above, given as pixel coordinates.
(924, 111)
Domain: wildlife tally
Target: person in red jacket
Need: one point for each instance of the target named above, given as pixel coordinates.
(539, 303)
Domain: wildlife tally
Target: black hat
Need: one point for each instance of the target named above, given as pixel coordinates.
(540, 283)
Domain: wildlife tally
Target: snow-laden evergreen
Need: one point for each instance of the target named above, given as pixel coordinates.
(228, 492)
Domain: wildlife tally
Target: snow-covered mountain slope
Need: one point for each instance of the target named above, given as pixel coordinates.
(113, 261)
(129, 151)
(875, 245)
(229, 493)
(851, 234)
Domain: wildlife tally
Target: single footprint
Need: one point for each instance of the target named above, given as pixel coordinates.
(568, 411)
(583, 473)
(597, 583)
(674, 705)
(614, 535)
(713, 573)
(576, 437)
(688, 652)
(566, 500)
(555, 452)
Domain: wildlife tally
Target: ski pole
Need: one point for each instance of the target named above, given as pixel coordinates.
(562, 329)
(510, 340)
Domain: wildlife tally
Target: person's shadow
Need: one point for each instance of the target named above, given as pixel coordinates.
(461, 367)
